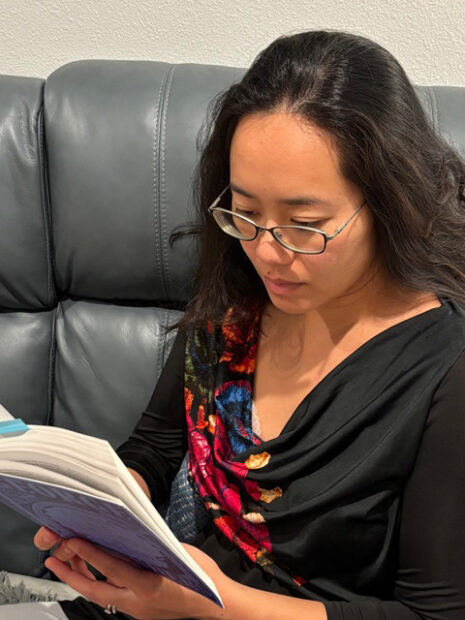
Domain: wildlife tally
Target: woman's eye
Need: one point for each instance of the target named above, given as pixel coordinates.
(245, 212)
(316, 224)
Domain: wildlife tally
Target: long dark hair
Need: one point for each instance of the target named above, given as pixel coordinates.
(413, 181)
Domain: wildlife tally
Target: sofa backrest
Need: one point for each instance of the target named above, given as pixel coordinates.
(96, 165)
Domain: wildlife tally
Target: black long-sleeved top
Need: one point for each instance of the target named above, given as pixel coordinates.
(430, 579)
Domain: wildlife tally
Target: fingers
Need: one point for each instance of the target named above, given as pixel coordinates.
(118, 572)
(63, 552)
(100, 592)
(78, 565)
(132, 590)
(45, 539)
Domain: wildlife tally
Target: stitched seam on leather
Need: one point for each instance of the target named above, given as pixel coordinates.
(44, 203)
(51, 368)
(155, 176)
(156, 183)
(163, 221)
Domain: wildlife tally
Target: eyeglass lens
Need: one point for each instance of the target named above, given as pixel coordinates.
(293, 238)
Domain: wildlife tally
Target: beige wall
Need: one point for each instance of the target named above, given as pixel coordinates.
(37, 36)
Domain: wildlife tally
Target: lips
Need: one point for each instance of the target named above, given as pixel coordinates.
(280, 287)
(281, 282)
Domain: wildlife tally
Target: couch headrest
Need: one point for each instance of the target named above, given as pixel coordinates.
(121, 144)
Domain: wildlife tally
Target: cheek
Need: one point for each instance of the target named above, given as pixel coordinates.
(329, 262)
(352, 252)
(248, 247)
(341, 260)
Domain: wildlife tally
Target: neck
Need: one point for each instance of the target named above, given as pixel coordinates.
(347, 317)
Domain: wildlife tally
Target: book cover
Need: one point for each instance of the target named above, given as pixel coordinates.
(107, 523)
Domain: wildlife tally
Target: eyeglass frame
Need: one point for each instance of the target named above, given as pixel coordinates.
(327, 237)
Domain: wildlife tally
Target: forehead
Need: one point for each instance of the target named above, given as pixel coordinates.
(282, 146)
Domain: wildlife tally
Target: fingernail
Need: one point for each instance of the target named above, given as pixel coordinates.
(47, 564)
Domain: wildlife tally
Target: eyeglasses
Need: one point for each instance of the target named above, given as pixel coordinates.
(300, 239)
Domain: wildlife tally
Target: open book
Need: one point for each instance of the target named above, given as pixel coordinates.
(77, 486)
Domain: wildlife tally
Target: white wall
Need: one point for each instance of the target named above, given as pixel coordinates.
(37, 36)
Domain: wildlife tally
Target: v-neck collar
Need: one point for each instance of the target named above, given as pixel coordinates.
(426, 315)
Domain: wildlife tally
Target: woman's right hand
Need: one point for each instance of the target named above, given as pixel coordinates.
(45, 539)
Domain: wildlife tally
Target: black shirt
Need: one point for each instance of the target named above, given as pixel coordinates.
(430, 579)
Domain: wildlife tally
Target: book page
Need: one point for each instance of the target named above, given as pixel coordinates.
(38, 474)
(59, 460)
(5, 416)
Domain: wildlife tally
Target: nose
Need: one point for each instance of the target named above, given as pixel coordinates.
(268, 250)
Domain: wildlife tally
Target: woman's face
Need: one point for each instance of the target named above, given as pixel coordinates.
(279, 156)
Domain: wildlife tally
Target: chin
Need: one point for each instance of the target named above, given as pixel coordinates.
(291, 306)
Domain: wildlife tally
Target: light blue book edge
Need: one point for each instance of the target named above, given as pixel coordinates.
(16, 426)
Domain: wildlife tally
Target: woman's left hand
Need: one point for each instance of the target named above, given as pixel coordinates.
(134, 591)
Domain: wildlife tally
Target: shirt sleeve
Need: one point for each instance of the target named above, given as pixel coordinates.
(158, 443)
(430, 580)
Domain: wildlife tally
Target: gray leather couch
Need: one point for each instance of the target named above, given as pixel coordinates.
(96, 164)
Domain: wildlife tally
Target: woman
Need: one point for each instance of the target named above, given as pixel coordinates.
(317, 374)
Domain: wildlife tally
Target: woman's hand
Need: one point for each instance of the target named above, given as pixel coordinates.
(134, 591)
(45, 539)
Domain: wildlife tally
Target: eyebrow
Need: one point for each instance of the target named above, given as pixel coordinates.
(295, 201)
